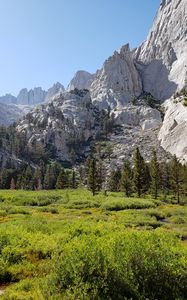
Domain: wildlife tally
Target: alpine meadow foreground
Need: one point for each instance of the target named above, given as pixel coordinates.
(67, 244)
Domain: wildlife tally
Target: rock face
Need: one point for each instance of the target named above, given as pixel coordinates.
(64, 124)
(54, 90)
(162, 59)
(32, 97)
(143, 116)
(118, 80)
(162, 63)
(173, 134)
(8, 99)
(82, 80)
(10, 113)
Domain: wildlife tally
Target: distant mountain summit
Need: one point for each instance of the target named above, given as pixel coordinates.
(34, 96)
(54, 90)
(81, 80)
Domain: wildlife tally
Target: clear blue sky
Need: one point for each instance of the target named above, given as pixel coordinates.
(44, 41)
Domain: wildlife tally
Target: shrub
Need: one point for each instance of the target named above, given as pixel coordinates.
(121, 204)
(128, 265)
(79, 204)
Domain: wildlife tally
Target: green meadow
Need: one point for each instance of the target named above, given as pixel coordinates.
(67, 244)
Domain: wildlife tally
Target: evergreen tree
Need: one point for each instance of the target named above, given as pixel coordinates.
(165, 178)
(50, 178)
(114, 180)
(155, 175)
(73, 180)
(92, 176)
(37, 179)
(100, 168)
(19, 183)
(56, 169)
(42, 167)
(100, 175)
(176, 178)
(28, 179)
(62, 180)
(6, 176)
(126, 179)
(139, 173)
(83, 175)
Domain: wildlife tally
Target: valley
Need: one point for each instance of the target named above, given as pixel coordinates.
(93, 176)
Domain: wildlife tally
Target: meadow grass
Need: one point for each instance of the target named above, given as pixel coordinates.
(70, 245)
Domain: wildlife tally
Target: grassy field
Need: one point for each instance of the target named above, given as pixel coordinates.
(70, 245)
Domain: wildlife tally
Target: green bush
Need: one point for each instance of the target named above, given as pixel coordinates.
(121, 204)
(80, 204)
(131, 265)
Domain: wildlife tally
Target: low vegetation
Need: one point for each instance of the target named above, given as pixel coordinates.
(69, 244)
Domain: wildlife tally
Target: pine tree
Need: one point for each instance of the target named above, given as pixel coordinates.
(126, 179)
(6, 177)
(100, 168)
(19, 183)
(139, 173)
(28, 179)
(114, 180)
(62, 180)
(176, 179)
(165, 178)
(50, 178)
(42, 168)
(92, 176)
(73, 180)
(37, 179)
(155, 175)
(100, 175)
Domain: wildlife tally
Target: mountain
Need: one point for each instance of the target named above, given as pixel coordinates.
(32, 97)
(137, 98)
(8, 99)
(67, 126)
(118, 80)
(54, 90)
(82, 80)
(164, 51)
(162, 64)
(14, 108)
(10, 113)
(63, 126)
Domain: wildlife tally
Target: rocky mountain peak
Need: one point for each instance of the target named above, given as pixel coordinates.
(164, 51)
(55, 89)
(81, 80)
(8, 99)
(117, 81)
(124, 49)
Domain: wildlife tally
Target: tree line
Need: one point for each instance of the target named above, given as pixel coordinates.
(48, 177)
(135, 178)
(140, 178)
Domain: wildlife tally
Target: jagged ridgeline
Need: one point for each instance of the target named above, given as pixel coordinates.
(138, 98)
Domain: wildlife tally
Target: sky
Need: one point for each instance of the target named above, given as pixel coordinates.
(45, 41)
